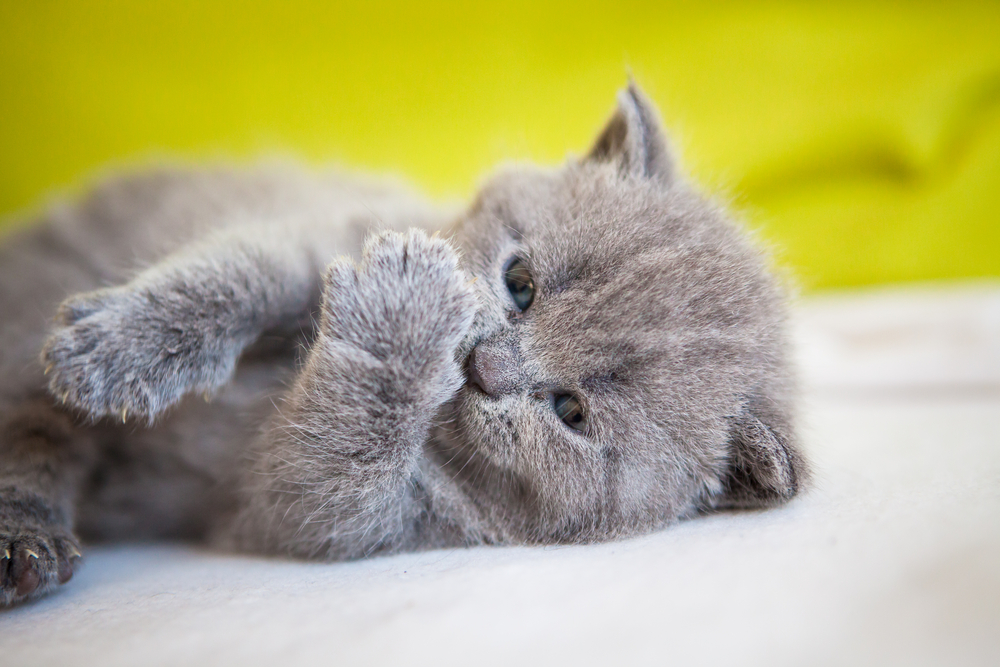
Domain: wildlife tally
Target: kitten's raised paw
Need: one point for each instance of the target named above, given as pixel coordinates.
(126, 352)
(406, 299)
(33, 563)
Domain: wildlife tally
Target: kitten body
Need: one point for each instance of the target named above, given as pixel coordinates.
(400, 397)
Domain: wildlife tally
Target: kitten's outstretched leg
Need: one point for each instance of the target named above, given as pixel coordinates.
(336, 475)
(39, 471)
(180, 326)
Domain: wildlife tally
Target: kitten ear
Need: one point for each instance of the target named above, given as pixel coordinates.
(764, 469)
(634, 139)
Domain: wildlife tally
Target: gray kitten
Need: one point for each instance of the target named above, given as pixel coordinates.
(587, 353)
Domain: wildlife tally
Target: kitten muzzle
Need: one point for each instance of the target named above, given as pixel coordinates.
(495, 369)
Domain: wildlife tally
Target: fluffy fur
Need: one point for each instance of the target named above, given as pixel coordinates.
(338, 419)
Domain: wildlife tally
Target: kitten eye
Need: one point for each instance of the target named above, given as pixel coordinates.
(520, 284)
(569, 410)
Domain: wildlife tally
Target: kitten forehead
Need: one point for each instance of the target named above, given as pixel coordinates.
(626, 242)
(588, 210)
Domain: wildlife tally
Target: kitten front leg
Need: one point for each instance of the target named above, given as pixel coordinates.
(336, 471)
(180, 326)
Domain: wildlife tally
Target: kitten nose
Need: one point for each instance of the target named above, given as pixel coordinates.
(494, 369)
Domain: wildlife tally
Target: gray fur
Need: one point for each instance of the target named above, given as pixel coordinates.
(338, 421)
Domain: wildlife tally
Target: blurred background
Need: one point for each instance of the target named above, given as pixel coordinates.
(862, 139)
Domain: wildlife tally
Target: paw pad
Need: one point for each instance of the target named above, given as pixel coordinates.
(32, 564)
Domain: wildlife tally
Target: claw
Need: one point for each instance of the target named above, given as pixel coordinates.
(124, 415)
(437, 232)
(473, 281)
(31, 553)
(48, 369)
(6, 554)
(74, 552)
(207, 397)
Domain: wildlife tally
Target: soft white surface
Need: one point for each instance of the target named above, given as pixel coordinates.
(892, 558)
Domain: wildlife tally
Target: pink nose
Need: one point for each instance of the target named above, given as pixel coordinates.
(494, 369)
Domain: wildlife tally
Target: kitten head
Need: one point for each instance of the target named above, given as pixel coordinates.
(628, 364)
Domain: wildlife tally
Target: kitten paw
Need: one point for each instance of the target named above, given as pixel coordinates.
(33, 562)
(128, 352)
(407, 299)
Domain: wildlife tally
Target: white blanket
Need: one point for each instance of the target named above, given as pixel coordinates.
(892, 558)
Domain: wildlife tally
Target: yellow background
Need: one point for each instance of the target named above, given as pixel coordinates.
(862, 139)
